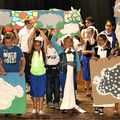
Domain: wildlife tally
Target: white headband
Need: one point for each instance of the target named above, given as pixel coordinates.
(102, 34)
(92, 27)
(39, 38)
(67, 35)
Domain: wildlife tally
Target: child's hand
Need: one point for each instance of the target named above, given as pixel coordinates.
(21, 72)
(55, 31)
(95, 58)
(110, 56)
(3, 72)
(78, 76)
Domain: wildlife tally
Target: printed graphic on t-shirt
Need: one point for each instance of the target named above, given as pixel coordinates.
(51, 56)
(9, 57)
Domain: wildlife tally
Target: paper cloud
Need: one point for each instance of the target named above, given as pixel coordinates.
(5, 17)
(52, 19)
(109, 82)
(70, 28)
(8, 94)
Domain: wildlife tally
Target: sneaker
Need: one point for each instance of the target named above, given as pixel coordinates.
(41, 112)
(56, 106)
(50, 105)
(34, 111)
(101, 112)
(96, 110)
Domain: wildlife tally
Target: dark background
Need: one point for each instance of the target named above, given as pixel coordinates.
(101, 10)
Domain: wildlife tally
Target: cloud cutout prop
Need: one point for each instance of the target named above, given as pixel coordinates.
(109, 82)
(8, 94)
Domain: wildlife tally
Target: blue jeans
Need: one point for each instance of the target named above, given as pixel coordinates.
(52, 86)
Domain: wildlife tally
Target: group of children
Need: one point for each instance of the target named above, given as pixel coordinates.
(50, 65)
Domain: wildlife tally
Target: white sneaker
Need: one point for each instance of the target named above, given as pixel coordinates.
(34, 111)
(41, 112)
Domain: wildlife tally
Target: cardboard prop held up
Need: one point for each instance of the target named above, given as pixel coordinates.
(5, 17)
(18, 18)
(12, 94)
(105, 76)
(50, 19)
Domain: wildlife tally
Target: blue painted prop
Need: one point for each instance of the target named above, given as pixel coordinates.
(12, 94)
(50, 19)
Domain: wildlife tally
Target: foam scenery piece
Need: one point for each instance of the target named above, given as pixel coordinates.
(12, 94)
(18, 18)
(105, 76)
(69, 28)
(109, 82)
(50, 19)
(117, 8)
(5, 17)
(73, 15)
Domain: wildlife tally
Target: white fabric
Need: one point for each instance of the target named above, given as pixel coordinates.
(104, 105)
(71, 49)
(52, 56)
(101, 52)
(39, 38)
(24, 34)
(68, 101)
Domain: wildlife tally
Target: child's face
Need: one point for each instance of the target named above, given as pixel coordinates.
(109, 27)
(89, 33)
(68, 43)
(88, 23)
(8, 43)
(37, 46)
(101, 41)
(30, 25)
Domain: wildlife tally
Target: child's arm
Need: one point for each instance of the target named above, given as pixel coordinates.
(2, 70)
(58, 48)
(86, 51)
(16, 41)
(77, 62)
(77, 66)
(30, 39)
(22, 62)
(46, 40)
(116, 48)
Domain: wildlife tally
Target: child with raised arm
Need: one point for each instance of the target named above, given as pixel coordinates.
(37, 75)
(68, 68)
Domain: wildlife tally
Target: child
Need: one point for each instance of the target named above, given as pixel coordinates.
(52, 72)
(89, 21)
(87, 53)
(37, 75)
(109, 31)
(11, 56)
(69, 67)
(102, 50)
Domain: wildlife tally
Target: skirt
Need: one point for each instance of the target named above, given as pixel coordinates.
(37, 85)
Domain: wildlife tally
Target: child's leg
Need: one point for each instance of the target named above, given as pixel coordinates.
(115, 111)
(41, 103)
(41, 106)
(34, 103)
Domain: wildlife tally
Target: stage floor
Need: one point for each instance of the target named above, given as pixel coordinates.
(51, 114)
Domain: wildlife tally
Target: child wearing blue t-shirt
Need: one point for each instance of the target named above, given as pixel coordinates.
(11, 56)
